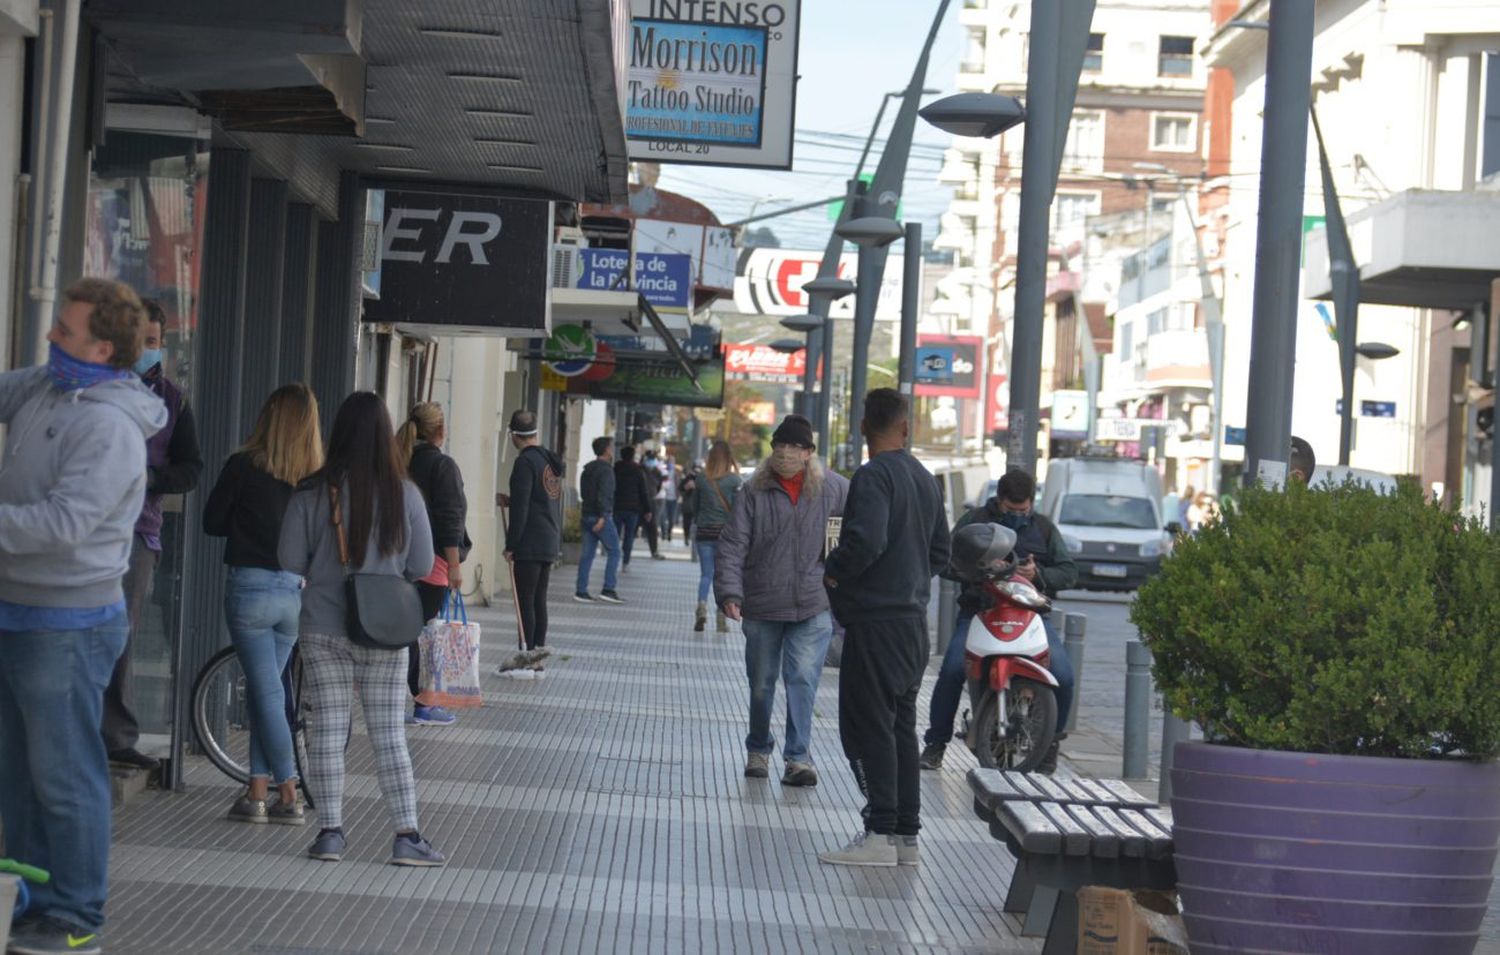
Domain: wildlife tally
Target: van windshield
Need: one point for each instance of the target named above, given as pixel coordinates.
(1106, 510)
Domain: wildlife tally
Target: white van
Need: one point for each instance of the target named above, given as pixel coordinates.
(1109, 513)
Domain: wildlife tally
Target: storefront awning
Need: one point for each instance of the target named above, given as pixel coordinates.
(1422, 249)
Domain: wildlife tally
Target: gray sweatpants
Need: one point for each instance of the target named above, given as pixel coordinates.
(331, 668)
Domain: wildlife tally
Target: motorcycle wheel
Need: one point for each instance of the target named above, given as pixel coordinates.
(1031, 725)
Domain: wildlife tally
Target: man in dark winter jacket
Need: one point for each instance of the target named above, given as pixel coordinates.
(893, 540)
(633, 501)
(173, 466)
(1045, 561)
(533, 539)
(596, 489)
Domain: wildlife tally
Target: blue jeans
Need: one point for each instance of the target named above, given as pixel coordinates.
(610, 538)
(262, 607)
(949, 689)
(797, 650)
(54, 774)
(627, 523)
(708, 553)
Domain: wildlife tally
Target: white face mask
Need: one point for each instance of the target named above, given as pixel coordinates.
(788, 462)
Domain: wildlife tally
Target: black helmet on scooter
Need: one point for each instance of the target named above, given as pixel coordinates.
(981, 551)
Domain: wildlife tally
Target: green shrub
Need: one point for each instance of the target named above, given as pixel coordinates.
(1333, 620)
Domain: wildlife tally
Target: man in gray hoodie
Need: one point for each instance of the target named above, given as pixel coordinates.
(71, 488)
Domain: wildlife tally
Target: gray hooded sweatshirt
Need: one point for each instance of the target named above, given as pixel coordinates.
(71, 487)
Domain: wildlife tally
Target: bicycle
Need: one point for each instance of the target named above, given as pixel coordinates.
(221, 716)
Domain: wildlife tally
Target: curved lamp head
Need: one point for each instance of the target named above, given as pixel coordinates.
(1376, 351)
(869, 231)
(787, 345)
(802, 324)
(832, 287)
(976, 115)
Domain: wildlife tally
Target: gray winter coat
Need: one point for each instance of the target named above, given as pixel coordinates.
(770, 556)
(71, 487)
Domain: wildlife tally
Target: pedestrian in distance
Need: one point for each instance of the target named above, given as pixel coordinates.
(1184, 515)
(387, 533)
(1301, 462)
(651, 526)
(596, 490)
(688, 498)
(893, 540)
(173, 466)
(263, 602)
(71, 492)
(671, 479)
(633, 502)
(770, 578)
(720, 484)
(1043, 559)
(438, 477)
(533, 541)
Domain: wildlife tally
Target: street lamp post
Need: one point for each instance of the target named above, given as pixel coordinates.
(808, 325)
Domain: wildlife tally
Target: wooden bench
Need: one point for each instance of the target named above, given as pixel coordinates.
(1069, 833)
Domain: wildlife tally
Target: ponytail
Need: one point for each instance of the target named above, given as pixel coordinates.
(423, 424)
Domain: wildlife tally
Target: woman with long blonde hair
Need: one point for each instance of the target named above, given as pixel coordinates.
(419, 443)
(717, 489)
(262, 601)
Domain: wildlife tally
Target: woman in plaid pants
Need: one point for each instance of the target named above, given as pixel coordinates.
(386, 522)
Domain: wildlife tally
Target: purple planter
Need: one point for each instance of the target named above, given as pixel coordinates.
(1299, 852)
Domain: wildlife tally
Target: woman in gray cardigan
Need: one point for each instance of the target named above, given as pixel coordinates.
(386, 525)
(717, 488)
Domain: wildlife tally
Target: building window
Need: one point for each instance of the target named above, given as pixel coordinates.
(973, 61)
(1489, 160)
(1127, 338)
(1175, 57)
(1072, 209)
(1174, 132)
(1093, 58)
(1085, 148)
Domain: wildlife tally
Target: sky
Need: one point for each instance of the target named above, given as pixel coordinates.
(851, 53)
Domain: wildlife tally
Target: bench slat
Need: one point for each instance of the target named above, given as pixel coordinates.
(1075, 838)
(1023, 785)
(1033, 830)
(1132, 843)
(1106, 844)
(1049, 787)
(1076, 793)
(991, 787)
(1158, 843)
(1160, 815)
(1097, 794)
(1125, 794)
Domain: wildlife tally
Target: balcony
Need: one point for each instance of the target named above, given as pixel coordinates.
(1178, 359)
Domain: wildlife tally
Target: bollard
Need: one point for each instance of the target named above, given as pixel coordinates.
(1073, 633)
(1174, 730)
(947, 614)
(1137, 710)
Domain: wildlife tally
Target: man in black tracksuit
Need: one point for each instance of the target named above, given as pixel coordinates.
(893, 540)
(533, 540)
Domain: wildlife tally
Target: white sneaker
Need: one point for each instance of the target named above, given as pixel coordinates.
(907, 850)
(866, 849)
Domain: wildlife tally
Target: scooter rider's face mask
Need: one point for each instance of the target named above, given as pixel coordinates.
(788, 460)
(1017, 519)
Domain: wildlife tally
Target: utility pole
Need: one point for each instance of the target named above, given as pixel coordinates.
(911, 304)
(1059, 38)
(1273, 336)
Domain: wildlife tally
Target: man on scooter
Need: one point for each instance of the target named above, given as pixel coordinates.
(1044, 561)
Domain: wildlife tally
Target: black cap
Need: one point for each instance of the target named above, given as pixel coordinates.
(795, 429)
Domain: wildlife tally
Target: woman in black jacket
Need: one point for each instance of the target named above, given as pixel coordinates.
(261, 601)
(437, 476)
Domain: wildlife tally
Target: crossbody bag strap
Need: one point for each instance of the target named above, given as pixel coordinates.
(720, 494)
(336, 517)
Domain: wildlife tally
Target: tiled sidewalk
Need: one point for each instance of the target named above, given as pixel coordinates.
(601, 809)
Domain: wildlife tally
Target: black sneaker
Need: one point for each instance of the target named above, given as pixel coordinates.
(134, 759)
(932, 756)
(45, 935)
(609, 596)
(583, 598)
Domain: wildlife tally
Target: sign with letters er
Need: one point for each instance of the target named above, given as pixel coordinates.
(455, 262)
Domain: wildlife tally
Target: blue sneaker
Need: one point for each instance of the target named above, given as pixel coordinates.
(328, 847)
(413, 850)
(432, 716)
(45, 935)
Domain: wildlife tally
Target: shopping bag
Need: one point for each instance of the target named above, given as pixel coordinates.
(449, 647)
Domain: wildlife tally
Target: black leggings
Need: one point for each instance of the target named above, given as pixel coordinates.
(531, 594)
(432, 603)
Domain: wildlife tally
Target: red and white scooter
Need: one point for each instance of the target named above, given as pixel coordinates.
(1012, 692)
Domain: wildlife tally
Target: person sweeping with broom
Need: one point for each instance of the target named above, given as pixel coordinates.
(533, 536)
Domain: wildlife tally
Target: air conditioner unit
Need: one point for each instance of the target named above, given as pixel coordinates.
(570, 235)
(567, 263)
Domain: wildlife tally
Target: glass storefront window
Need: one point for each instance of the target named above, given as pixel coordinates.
(147, 199)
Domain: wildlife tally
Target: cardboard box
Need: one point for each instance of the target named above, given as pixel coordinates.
(1121, 922)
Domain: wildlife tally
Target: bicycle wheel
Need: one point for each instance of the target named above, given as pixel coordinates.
(297, 720)
(221, 715)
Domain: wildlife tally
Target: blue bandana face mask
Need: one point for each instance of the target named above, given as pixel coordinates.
(150, 358)
(71, 374)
